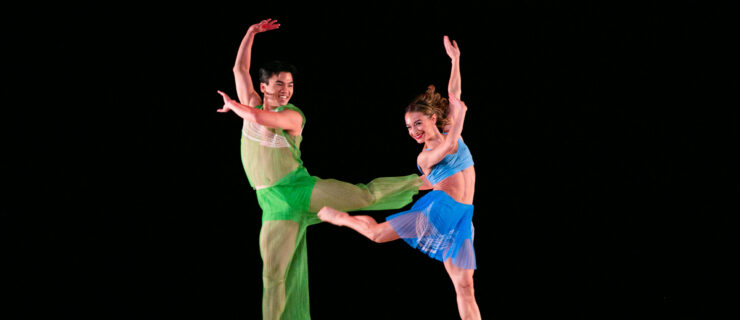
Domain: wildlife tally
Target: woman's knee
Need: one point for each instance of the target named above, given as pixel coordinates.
(462, 279)
(464, 285)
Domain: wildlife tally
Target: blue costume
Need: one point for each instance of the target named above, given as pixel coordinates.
(437, 224)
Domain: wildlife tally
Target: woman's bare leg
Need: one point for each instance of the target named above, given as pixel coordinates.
(462, 279)
(365, 225)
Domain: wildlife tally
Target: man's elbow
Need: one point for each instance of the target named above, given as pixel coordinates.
(240, 69)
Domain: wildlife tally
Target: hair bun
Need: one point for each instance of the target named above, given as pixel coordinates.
(430, 102)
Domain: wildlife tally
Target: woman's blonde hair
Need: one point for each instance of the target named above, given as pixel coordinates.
(429, 103)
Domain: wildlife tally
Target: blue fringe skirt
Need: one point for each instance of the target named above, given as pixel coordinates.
(440, 227)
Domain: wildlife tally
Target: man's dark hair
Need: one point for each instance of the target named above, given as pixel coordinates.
(275, 67)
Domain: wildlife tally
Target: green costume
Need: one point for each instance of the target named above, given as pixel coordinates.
(289, 198)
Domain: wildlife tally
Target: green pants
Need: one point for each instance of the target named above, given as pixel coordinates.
(288, 208)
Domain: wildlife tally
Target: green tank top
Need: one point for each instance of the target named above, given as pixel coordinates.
(269, 154)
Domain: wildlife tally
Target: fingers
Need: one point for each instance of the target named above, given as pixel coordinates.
(272, 25)
(458, 102)
(455, 101)
(226, 101)
(450, 44)
(225, 96)
(451, 47)
(268, 24)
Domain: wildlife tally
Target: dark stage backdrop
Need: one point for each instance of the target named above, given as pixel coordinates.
(606, 176)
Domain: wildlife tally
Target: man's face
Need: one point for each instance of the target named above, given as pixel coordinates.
(279, 89)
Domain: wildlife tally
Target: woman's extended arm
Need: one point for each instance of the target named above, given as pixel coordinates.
(244, 85)
(455, 84)
(456, 114)
(288, 120)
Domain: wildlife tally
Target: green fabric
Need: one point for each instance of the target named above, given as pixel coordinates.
(295, 141)
(289, 198)
(285, 272)
(288, 204)
(269, 154)
(391, 193)
(380, 194)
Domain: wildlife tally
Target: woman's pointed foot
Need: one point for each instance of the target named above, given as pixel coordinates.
(331, 215)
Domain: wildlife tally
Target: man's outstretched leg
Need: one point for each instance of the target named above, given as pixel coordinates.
(379, 194)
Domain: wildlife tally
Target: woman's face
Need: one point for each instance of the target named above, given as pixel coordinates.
(420, 126)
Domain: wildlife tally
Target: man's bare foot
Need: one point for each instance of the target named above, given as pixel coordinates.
(331, 215)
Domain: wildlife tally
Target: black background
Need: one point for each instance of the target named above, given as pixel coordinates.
(606, 176)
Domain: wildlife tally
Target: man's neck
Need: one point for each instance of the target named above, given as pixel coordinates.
(269, 105)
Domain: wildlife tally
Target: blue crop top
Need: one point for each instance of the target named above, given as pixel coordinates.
(450, 164)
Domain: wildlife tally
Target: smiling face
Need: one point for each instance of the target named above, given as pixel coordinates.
(420, 126)
(278, 90)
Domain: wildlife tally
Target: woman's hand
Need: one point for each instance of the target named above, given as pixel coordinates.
(451, 47)
(455, 83)
(264, 25)
(456, 107)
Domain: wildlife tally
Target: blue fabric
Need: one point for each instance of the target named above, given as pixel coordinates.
(440, 227)
(451, 163)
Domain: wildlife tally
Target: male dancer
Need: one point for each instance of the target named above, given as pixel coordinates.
(288, 195)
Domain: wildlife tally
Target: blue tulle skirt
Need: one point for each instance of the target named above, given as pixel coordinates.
(440, 227)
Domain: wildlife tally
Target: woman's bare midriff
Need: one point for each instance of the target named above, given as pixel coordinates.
(460, 186)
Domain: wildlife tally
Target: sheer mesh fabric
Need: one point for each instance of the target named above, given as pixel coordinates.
(380, 194)
(265, 136)
(465, 257)
(289, 198)
(426, 238)
(284, 275)
(268, 154)
(438, 228)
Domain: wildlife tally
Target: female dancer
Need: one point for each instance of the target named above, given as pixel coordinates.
(288, 196)
(440, 222)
